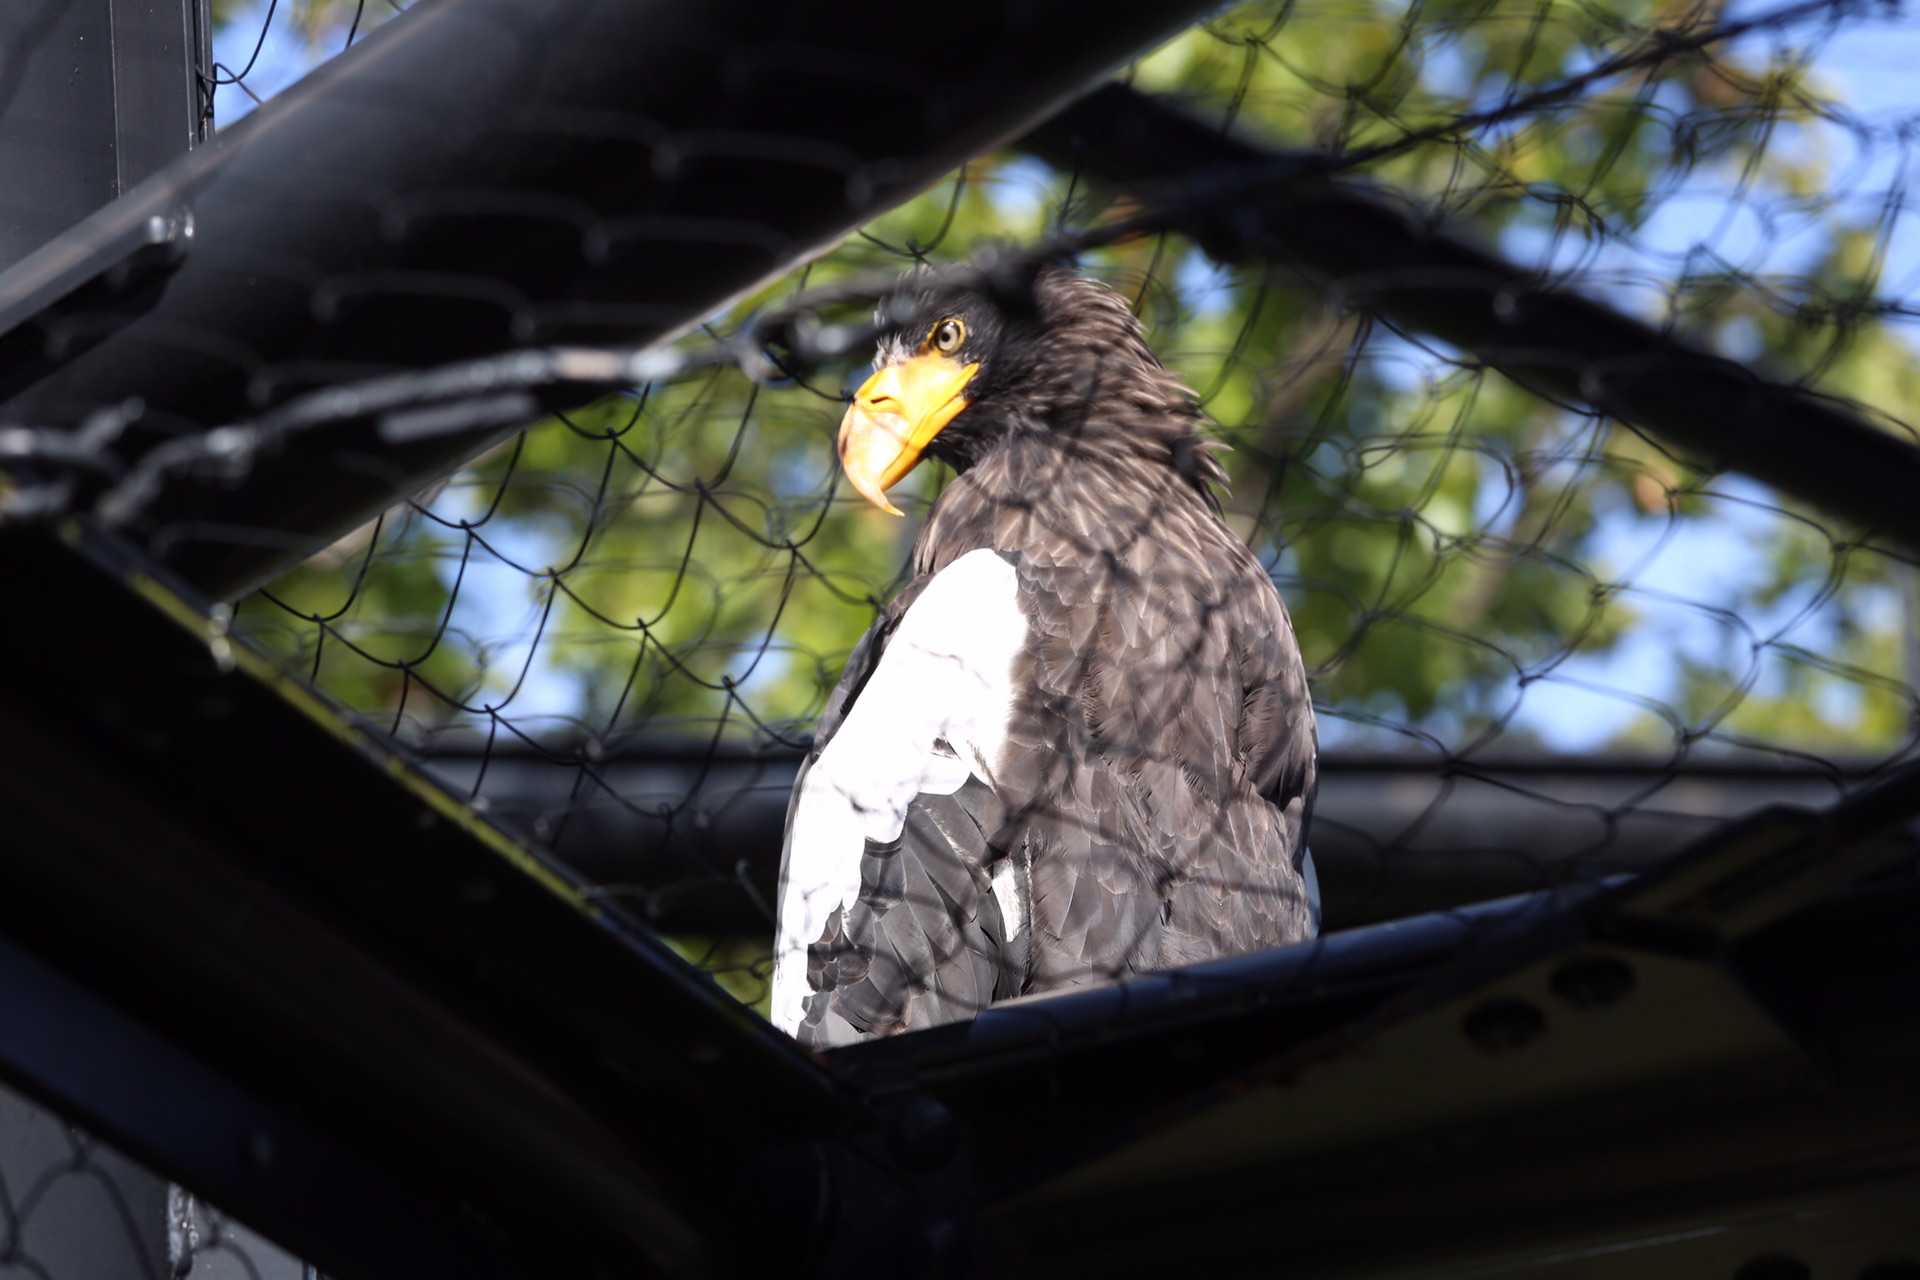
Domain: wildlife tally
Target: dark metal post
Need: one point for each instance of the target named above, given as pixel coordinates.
(95, 96)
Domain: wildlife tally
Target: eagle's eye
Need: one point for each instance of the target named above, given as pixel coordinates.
(947, 336)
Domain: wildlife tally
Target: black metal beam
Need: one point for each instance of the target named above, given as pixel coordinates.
(479, 175)
(692, 833)
(1670, 1077)
(246, 943)
(1245, 202)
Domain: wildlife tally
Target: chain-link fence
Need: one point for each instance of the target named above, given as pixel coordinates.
(1564, 353)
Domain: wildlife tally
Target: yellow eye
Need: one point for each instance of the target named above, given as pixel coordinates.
(947, 336)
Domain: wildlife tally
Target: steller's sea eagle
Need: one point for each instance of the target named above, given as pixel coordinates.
(1078, 745)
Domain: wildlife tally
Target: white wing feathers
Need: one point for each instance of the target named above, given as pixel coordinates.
(934, 712)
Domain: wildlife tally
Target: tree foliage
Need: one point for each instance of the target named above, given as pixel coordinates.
(1449, 543)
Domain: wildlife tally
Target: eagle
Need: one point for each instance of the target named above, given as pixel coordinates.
(1078, 744)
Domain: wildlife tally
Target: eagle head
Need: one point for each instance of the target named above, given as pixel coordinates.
(970, 357)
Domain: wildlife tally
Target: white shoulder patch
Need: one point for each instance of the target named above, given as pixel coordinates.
(1006, 889)
(933, 713)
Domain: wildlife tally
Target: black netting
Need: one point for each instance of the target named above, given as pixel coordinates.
(1551, 633)
(1542, 642)
(71, 1205)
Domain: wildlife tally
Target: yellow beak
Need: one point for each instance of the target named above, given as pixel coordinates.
(894, 416)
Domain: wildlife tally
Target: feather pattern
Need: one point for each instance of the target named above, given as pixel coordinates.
(1147, 797)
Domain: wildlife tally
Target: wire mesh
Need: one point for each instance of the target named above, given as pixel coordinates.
(1544, 644)
(73, 1206)
(261, 48)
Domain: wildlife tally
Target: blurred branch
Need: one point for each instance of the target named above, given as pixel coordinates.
(1245, 203)
(1653, 50)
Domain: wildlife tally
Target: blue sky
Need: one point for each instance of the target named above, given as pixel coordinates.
(1873, 66)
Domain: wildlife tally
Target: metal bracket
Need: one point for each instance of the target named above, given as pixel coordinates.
(85, 271)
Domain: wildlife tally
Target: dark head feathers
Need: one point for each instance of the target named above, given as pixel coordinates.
(1060, 353)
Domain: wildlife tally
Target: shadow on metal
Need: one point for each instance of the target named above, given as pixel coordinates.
(1667, 1076)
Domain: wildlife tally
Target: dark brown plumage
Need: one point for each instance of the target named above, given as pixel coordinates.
(1144, 801)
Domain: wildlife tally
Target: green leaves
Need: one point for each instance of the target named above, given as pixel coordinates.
(1446, 539)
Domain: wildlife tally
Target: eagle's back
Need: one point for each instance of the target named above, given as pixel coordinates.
(1166, 742)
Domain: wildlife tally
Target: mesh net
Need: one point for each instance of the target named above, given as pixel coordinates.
(73, 1206)
(1543, 644)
